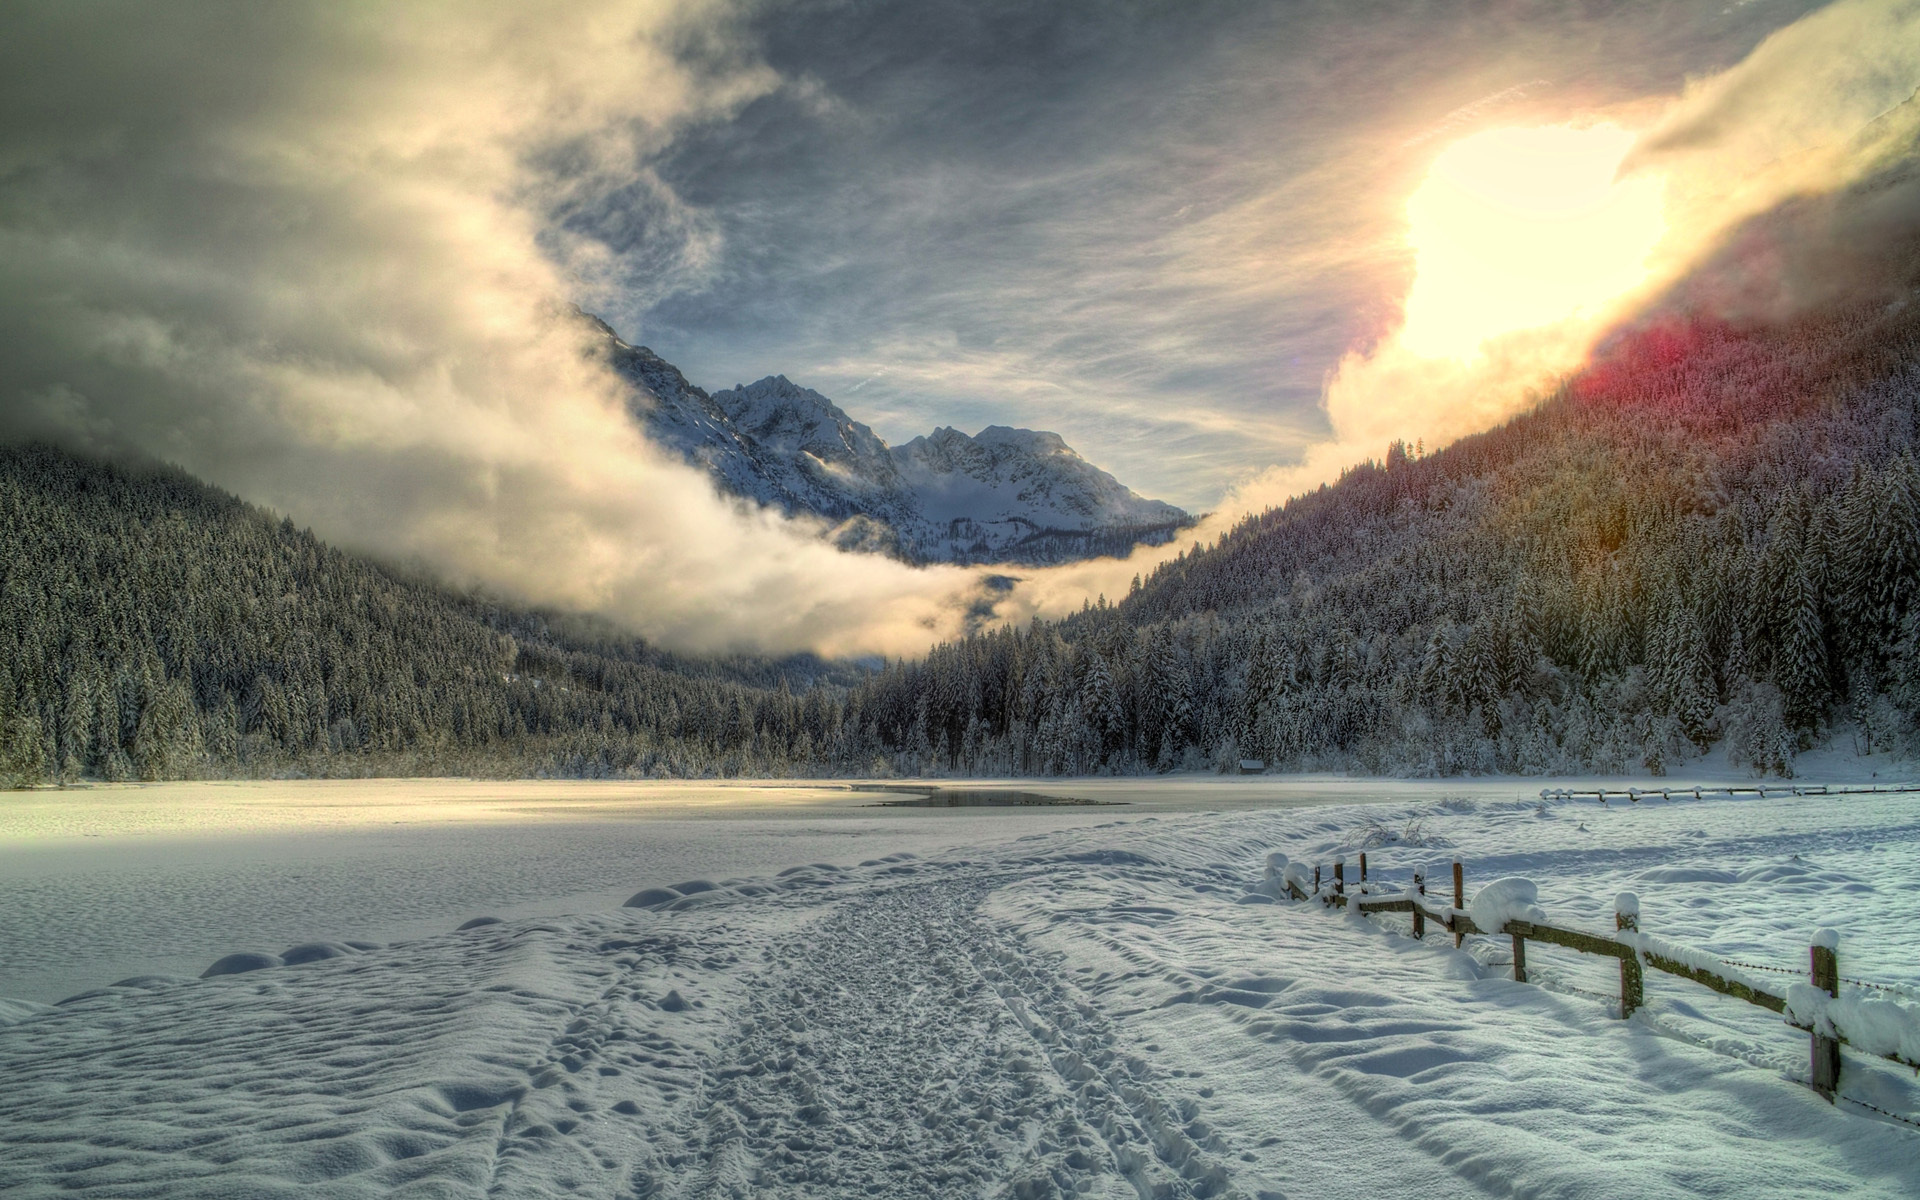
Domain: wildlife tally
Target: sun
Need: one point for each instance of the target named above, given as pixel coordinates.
(1519, 228)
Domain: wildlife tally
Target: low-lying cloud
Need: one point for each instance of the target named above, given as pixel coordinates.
(307, 252)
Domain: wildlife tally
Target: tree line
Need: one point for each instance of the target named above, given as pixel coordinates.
(156, 628)
(1710, 538)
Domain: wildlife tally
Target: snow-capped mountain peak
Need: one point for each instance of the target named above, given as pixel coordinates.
(1004, 474)
(792, 420)
(1002, 495)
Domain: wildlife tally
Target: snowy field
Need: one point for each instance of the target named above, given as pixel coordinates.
(836, 1000)
(101, 883)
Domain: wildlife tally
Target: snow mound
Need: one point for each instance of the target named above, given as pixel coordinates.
(650, 897)
(1868, 1022)
(239, 964)
(148, 983)
(307, 952)
(1299, 876)
(1506, 900)
(1799, 877)
(1687, 875)
(1105, 858)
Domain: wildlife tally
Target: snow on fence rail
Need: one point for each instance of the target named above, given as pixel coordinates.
(1635, 795)
(1883, 1028)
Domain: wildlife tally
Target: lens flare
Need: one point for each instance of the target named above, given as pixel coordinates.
(1515, 229)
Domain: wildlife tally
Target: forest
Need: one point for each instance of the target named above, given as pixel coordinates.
(160, 629)
(1707, 541)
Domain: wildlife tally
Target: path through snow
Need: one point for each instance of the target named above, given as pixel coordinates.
(1103, 1012)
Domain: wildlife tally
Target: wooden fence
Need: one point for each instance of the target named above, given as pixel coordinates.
(1634, 951)
(1635, 795)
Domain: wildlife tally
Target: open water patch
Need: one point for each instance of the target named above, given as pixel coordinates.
(937, 797)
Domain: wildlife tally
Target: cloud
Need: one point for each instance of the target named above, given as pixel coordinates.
(1791, 179)
(318, 254)
(1158, 226)
(1817, 108)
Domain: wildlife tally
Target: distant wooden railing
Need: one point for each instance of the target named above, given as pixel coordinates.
(1635, 795)
(1634, 951)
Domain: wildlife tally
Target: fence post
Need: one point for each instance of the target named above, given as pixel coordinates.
(1419, 913)
(1316, 879)
(1363, 866)
(1626, 919)
(1519, 958)
(1339, 876)
(1459, 897)
(1826, 977)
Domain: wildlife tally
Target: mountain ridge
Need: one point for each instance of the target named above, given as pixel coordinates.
(1004, 495)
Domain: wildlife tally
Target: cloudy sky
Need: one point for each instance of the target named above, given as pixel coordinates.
(321, 254)
(1154, 227)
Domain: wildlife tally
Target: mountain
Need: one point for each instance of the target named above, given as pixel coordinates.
(1707, 541)
(1019, 495)
(1002, 496)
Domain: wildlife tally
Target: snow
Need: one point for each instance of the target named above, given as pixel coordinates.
(242, 962)
(1002, 476)
(1699, 960)
(1298, 875)
(1870, 1022)
(954, 1002)
(1506, 900)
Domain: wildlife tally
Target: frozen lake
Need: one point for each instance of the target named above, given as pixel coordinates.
(101, 883)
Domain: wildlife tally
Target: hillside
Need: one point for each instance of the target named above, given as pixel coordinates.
(1709, 539)
(1711, 536)
(157, 628)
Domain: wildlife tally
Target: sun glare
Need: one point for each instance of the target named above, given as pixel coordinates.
(1518, 228)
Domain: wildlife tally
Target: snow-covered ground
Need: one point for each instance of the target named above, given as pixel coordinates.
(964, 1002)
(101, 883)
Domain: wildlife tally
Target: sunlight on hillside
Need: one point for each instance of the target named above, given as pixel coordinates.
(1518, 228)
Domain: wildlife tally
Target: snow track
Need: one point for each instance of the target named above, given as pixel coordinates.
(1103, 1012)
(907, 1048)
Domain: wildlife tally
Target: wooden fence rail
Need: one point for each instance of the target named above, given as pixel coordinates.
(1633, 951)
(1635, 795)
